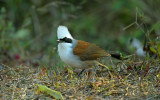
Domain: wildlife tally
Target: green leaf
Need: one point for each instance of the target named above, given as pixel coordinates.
(22, 33)
(45, 90)
(158, 48)
(158, 75)
(155, 26)
(110, 67)
(70, 72)
(3, 10)
(126, 77)
(153, 49)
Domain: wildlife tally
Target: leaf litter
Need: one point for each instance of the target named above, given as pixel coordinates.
(142, 81)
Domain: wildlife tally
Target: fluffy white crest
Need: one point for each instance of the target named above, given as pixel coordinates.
(62, 32)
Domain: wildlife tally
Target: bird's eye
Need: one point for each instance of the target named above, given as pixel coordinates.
(66, 40)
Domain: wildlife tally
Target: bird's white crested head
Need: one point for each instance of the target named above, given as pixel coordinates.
(63, 32)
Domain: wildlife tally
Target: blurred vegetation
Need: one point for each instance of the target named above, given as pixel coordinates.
(28, 27)
(28, 34)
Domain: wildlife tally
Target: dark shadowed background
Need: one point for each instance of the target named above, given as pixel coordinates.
(28, 27)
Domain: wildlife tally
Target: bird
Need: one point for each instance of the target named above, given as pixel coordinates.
(80, 54)
(77, 53)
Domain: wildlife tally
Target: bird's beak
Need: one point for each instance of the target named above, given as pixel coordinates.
(58, 41)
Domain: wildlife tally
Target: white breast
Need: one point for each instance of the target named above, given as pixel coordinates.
(65, 51)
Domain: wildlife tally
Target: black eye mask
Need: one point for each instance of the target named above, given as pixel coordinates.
(66, 40)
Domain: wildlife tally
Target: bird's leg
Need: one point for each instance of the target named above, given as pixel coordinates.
(92, 73)
(99, 64)
(81, 72)
(95, 69)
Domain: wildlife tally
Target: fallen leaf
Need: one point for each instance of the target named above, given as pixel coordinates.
(45, 90)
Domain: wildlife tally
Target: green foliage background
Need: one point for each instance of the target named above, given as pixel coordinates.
(28, 27)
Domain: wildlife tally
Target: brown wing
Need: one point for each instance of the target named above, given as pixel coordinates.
(87, 51)
(80, 48)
